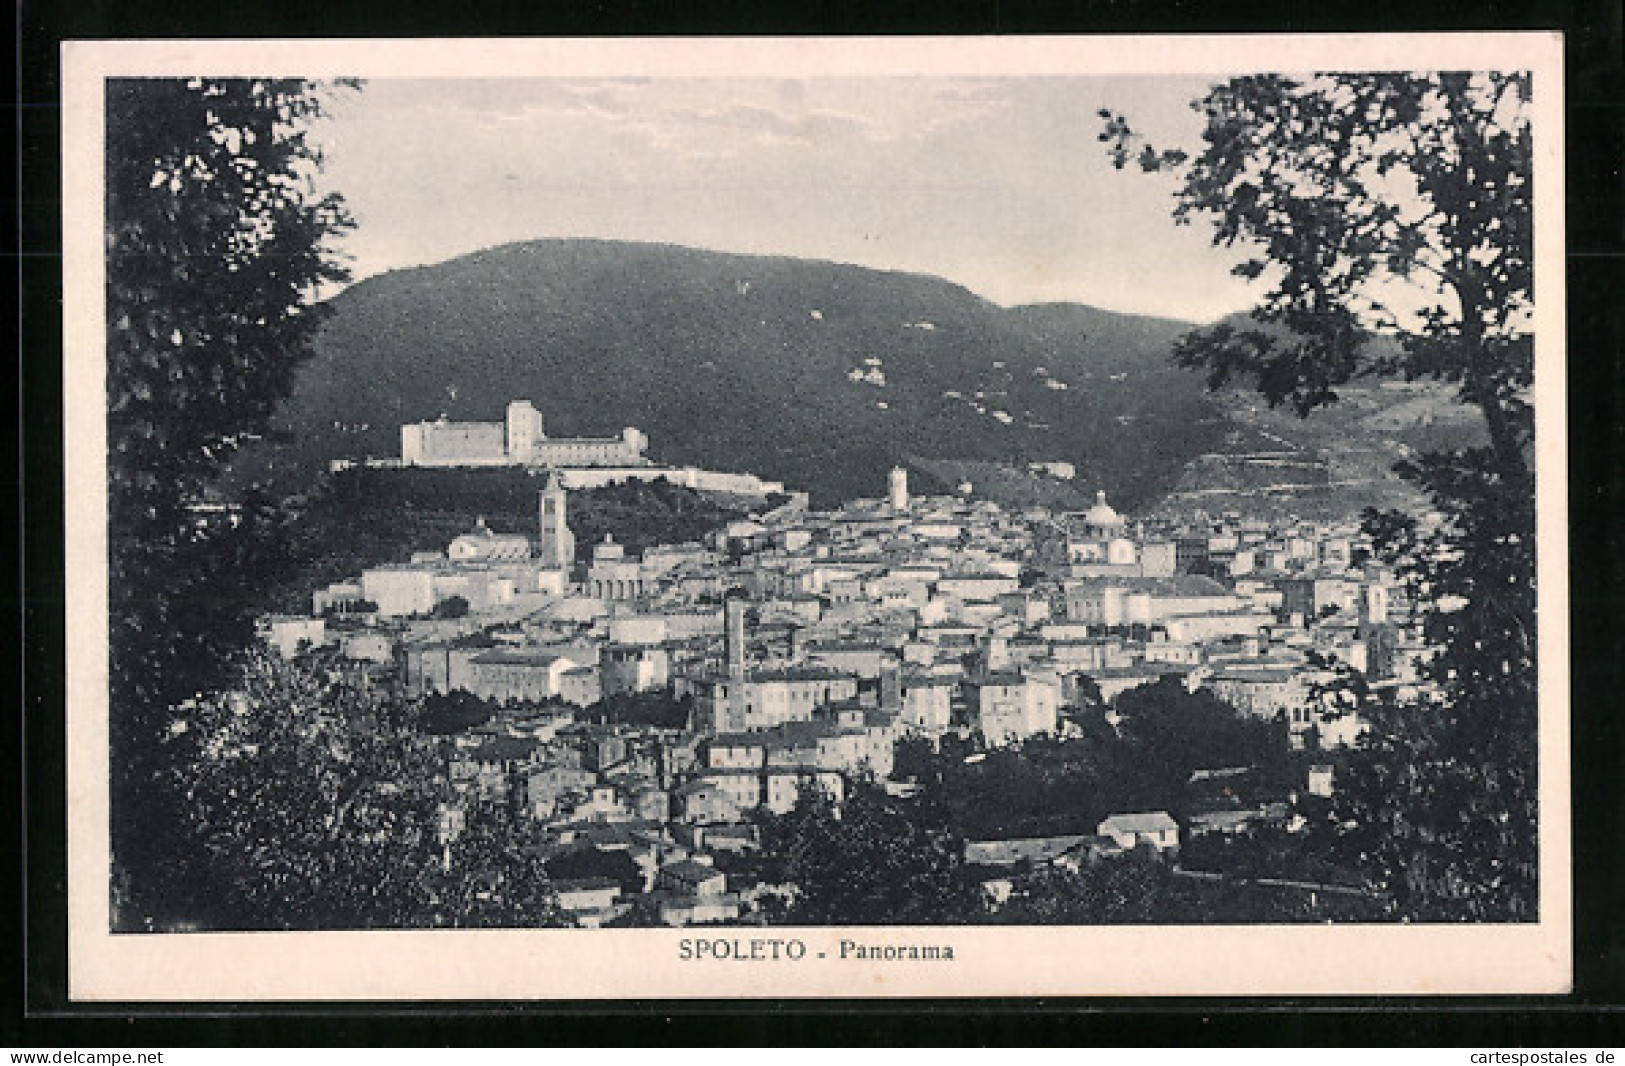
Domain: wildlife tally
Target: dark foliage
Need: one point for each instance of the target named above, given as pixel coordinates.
(445, 713)
(305, 808)
(1303, 174)
(1142, 892)
(1050, 786)
(1177, 732)
(659, 709)
(451, 607)
(872, 861)
(585, 863)
(363, 517)
(604, 334)
(214, 248)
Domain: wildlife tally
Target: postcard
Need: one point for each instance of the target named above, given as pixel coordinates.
(785, 518)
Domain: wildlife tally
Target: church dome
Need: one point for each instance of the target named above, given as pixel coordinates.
(1101, 514)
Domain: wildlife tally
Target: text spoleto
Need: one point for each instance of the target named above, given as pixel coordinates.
(742, 949)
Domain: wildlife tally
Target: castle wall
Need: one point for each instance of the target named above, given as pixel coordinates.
(431, 443)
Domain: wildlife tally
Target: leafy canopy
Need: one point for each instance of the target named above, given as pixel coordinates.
(1402, 203)
(1399, 202)
(216, 243)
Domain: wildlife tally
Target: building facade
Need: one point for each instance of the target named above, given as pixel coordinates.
(519, 440)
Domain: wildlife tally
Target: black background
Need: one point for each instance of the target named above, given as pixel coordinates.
(37, 1013)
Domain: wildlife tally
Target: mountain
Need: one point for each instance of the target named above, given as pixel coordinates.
(819, 374)
(1333, 463)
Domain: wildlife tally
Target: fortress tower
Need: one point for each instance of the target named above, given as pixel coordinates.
(524, 430)
(556, 545)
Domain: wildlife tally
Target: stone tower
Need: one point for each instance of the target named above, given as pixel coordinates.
(898, 489)
(734, 636)
(524, 431)
(556, 545)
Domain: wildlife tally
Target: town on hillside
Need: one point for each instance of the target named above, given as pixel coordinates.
(648, 714)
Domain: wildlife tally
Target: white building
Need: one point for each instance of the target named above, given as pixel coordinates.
(399, 591)
(519, 440)
(485, 545)
(1009, 708)
(1128, 831)
(291, 634)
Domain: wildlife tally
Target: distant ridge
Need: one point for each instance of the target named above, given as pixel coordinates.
(817, 374)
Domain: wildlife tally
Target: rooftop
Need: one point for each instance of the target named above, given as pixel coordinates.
(521, 658)
(1175, 585)
(1140, 822)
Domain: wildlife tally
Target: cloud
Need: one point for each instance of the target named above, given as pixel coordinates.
(543, 100)
(769, 126)
(974, 93)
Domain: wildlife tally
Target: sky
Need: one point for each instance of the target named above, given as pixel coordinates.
(998, 184)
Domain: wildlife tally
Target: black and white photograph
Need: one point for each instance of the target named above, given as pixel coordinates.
(819, 517)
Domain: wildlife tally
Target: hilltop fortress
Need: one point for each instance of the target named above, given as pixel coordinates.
(580, 462)
(518, 441)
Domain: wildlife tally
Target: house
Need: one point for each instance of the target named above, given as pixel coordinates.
(490, 764)
(583, 895)
(862, 742)
(703, 802)
(766, 697)
(1260, 691)
(678, 908)
(688, 877)
(783, 789)
(977, 588)
(523, 674)
(486, 545)
(1232, 821)
(1129, 601)
(399, 590)
(1129, 831)
(1321, 779)
(633, 667)
(927, 702)
(734, 839)
(368, 646)
(546, 785)
(291, 634)
(1009, 707)
(857, 659)
(1025, 850)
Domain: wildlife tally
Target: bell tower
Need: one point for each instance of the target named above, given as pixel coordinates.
(556, 545)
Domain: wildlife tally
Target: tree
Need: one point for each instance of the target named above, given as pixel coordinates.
(1357, 194)
(1139, 891)
(451, 607)
(490, 876)
(444, 713)
(215, 246)
(1175, 732)
(868, 862)
(310, 802)
(1345, 184)
(657, 708)
(291, 814)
